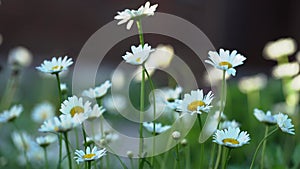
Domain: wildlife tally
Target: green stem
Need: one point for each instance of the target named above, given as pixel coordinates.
(218, 157)
(10, 90)
(223, 95)
(263, 148)
(84, 136)
(77, 138)
(226, 158)
(46, 158)
(154, 112)
(68, 149)
(89, 164)
(202, 144)
(59, 89)
(178, 156)
(141, 35)
(123, 165)
(131, 163)
(260, 143)
(142, 117)
(212, 155)
(60, 150)
(107, 161)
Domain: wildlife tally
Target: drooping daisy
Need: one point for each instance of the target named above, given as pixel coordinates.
(75, 106)
(56, 65)
(224, 60)
(227, 124)
(95, 112)
(97, 92)
(11, 114)
(131, 15)
(279, 48)
(61, 124)
(89, 155)
(252, 83)
(266, 118)
(159, 128)
(168, 96)
(42, 112)
(45, 141)
(139, 54)
(285, 123)
(231, 137)
(23, 141)
(196, 102)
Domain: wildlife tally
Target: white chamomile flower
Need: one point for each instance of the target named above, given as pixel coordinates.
(131, 15)
(56, 65)
(286, 70)
(196, 102)
(95, 112)
(224, 60)
(42, 112)
(98, 91)
(89, 155)
(11, 114)
(252, 83)
(227, 124)
(231, 137)
(139, 54)
(76, 108)
(45, 141)
(20, 57)
(266, 118)
(168, 96)
(159, 128)
(279, 48)
(61, 124)
(285, 123)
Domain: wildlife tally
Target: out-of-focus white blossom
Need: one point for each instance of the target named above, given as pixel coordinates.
(286, 70)
(20, 57)
(252, 83)
(279, 48)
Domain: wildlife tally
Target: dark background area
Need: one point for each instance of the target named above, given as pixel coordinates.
(59, 27)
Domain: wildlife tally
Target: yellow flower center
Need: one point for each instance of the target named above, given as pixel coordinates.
(194, 105)
(138, 60)
(230, 140)
(76, 110)
(56, 128)
(89, 155)
(57, 67)
(44, 115)
(229, 65)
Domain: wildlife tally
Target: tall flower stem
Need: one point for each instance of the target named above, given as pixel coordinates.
(59, 89)
(10, 90)
(89, 164)
(60, 150)
(141, 35)
(226, 157)
(178, 156)
(263, 148)
(218, 157)
(46, 158)
(84, 135)
(154, 112)
(119, 159)
(68, 149)
(260, 143)
(201, 144)
(142, 118)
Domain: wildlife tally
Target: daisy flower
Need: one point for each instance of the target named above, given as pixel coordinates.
(159, 128)
(89, 155)
(231, 137)
(266, 118)
(227, 124)
(196, 102)
(252, 83)
(45, 141)
(55, 65)
(131, 15)
(19, 56)
(286, 70)
(95, 112)
(224, 60)
(75, 106)
(139, 54)
(23, 141)
(284, 123)
(97, 92)
(279, 48)
(61, 124)
(11, 114)
(42, 112)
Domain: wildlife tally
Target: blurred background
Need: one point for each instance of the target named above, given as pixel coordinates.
(56, 28)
